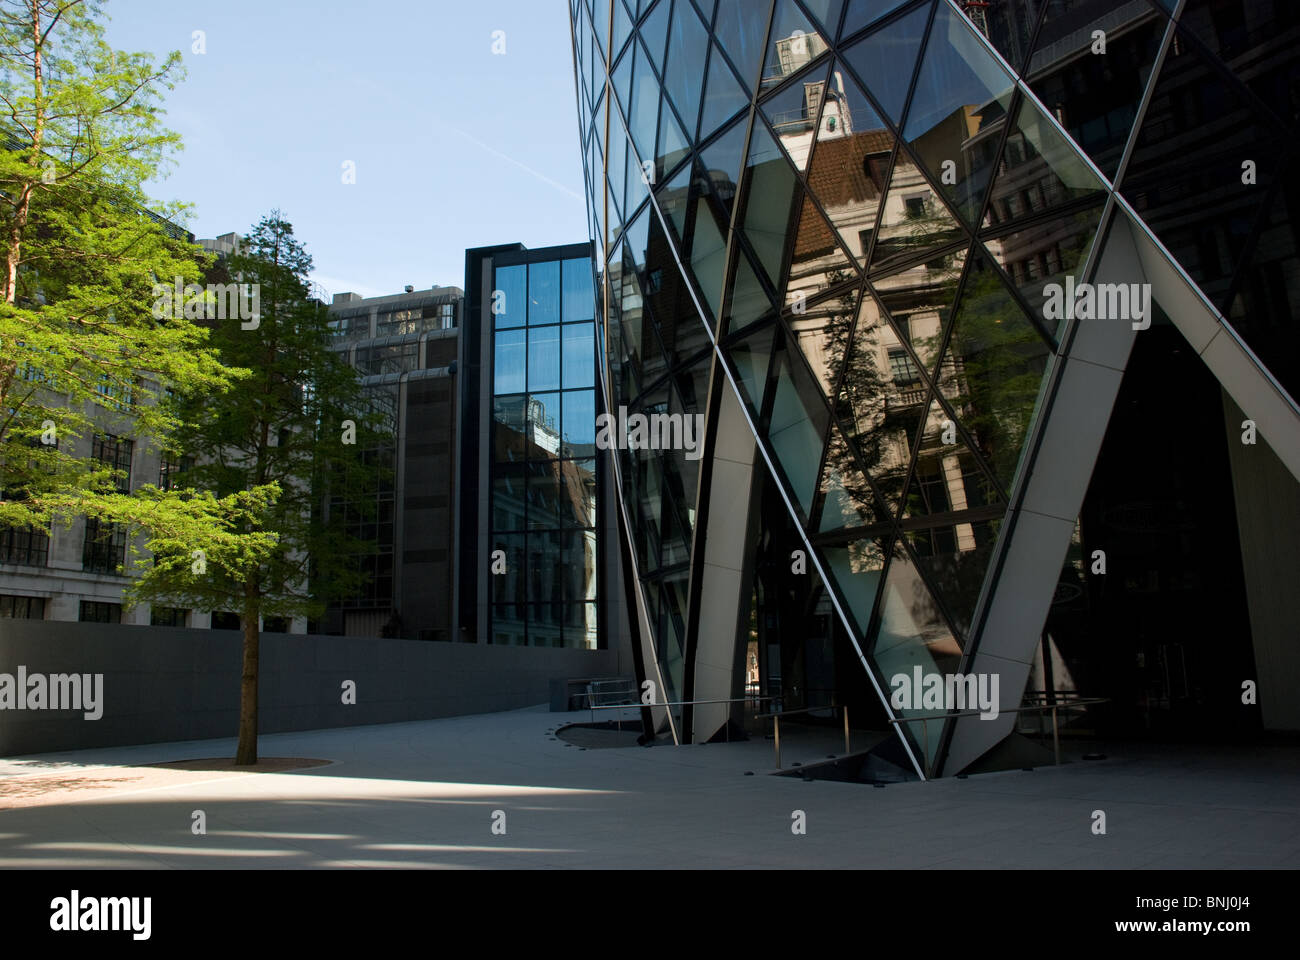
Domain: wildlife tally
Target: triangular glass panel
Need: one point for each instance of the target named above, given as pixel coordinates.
(672, 148)
(919, 301)
(817, 259)
(771, 188)
(1187, 177)
(1044, 253)
(850, 162)
(1040, 169)
(638, 183)
(751, 358)
(600, 24)
(947, 477)
(847, 500)
(643, 108)
(827, 13)
(885, 60)
(706, 8)
(622, 25)
(740, 27)
(723, 97)
(622, 78)
(797, 428)
(654, 33)
(957, 111)
(1240, 35)
(627, 294)
(617, 168)
(673, 199)
(1009, 31)
(855, 570)
(821, 330)
(794, 112)
(636, 237)
(683, 332)
(722, 159)
(793, 44)
(688, 45)
(865, 12)
(914, 221)
(1096, 97)
(911, 634)
(879, 405)
(955, 557)
(746, 302)
(708, 252)
(993, 370)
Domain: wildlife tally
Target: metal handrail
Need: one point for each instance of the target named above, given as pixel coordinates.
(677, 703)
(776, 716)
(1039, 708)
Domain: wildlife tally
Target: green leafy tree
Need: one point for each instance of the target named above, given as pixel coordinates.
(80, 133)
(274, 451)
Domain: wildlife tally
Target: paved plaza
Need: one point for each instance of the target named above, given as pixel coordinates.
(428, 794)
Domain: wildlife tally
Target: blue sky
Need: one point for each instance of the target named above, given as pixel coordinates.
(454, 146)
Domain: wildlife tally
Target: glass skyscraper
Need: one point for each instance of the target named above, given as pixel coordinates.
(900, 255)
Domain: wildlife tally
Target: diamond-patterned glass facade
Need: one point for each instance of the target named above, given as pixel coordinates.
(852, 214)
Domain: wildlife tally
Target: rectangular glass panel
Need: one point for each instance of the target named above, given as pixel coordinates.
(509, 300)
(544, 359)
(543, 293)
(508, 362)
(579, 356)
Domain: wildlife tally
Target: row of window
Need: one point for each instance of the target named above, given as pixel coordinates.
(98, 611)
(388, 323)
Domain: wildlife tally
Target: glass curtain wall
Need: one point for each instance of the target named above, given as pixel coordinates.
(544, 476)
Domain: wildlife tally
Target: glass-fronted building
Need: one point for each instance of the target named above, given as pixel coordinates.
(533, 574)
(990, 310)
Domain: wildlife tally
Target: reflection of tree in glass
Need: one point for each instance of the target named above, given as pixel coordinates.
(997, 364)
(870, 421)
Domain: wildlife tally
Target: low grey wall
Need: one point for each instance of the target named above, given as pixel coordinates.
(173, 683)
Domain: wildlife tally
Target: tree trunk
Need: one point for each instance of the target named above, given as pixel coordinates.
(246, 752)
(23, 203)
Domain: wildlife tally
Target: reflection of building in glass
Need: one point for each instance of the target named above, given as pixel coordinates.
(841, 256)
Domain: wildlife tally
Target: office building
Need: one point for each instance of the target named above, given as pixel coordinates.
(990, 309)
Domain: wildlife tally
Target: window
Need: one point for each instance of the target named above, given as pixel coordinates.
(28, 546)
(224, 620)
(169, 471)
(902, 367)
(915, 207)
(94, 611)
(22, 608)
(115, 394)
(115, 453)
(168, 617)
(104, 548)
(543, 477)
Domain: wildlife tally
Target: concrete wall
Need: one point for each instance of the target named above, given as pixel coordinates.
(163, 683)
